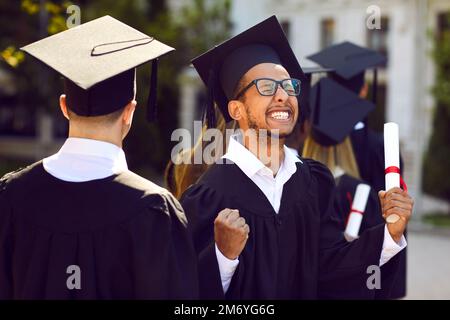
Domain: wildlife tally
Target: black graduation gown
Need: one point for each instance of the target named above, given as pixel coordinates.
(299, 253)
(347, 185)
(391, 273)
(369, 153)
(128, 237)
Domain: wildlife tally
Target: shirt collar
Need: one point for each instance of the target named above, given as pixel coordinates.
(250, 164)
(242, 157)
(96, 148)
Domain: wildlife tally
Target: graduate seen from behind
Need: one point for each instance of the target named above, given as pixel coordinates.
(79, 224)
(266, 230)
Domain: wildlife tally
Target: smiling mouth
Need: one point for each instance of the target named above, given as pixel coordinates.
(280, 115)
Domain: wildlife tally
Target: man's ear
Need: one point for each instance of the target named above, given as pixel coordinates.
(235, 109)
(128, 112)
(63, 106)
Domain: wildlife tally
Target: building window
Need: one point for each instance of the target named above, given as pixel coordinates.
(377, 39)
(326, 32)
(443, 23)
(286, 25)
(200, 102)
(377, 117)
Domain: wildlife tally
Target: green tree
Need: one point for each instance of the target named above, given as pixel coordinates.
(436, 169)
(21, 22)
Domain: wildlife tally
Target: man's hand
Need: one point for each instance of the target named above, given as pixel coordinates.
(396, 201)
(230, 233)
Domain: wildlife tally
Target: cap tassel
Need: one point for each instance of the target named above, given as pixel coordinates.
(151, 102)
(316, 107)
(374, 87)
(209, 114)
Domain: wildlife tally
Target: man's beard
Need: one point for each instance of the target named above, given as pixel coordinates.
(252, 124)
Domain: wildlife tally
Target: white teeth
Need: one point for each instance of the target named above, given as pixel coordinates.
(280, 115)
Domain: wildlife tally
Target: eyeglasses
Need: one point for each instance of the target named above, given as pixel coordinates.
(268, 87)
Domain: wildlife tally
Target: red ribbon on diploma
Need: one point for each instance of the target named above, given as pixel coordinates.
(394, 169)
(357, 211)
(350, 200)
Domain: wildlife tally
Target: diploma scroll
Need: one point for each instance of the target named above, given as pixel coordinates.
(391, 161)
(357, 210)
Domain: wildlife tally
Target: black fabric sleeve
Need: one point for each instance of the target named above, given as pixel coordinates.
(6, 243)
(202, 204)
(162, 252)
(342, 265)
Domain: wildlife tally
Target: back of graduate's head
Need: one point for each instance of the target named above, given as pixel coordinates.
(99, 67)
(335, 157)
(357, 84)
(106, 109)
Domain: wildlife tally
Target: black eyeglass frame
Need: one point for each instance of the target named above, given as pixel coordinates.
(278, 82)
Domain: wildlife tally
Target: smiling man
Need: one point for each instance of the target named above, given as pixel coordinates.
(266, 229)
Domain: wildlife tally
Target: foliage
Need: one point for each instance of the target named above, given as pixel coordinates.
(436, 169)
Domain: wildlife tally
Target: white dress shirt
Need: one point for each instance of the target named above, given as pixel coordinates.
(81, 160)
(272, 187)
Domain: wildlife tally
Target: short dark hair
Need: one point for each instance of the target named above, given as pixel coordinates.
(106, 119)
(239, 86)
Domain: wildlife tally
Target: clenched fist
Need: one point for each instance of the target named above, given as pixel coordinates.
(230, 233)
(399, 202)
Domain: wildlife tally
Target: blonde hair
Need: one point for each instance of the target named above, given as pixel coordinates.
(340, 155)
(178, 177)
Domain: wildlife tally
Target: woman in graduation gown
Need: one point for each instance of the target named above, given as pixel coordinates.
(329, 143)
(350, 62)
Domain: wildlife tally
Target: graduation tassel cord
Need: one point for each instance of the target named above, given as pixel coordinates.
(375, 86)
(152, 97)
(209, 110)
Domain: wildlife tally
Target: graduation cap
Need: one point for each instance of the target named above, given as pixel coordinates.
(309, 71)
(349, 62)
(305, 111)
(98, 61)
(336, 110)
(223, 66)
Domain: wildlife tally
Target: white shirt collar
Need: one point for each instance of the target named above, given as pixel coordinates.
(250, 164)
(262, 176)
(81, 160)
(294, 151)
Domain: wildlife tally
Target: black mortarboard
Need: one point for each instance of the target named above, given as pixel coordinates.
(336, 110)
(98, 61)
(305, 112)
(222, 67)
(349, 62)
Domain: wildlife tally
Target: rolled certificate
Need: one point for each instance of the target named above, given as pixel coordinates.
(391, 160)
(356, 214)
